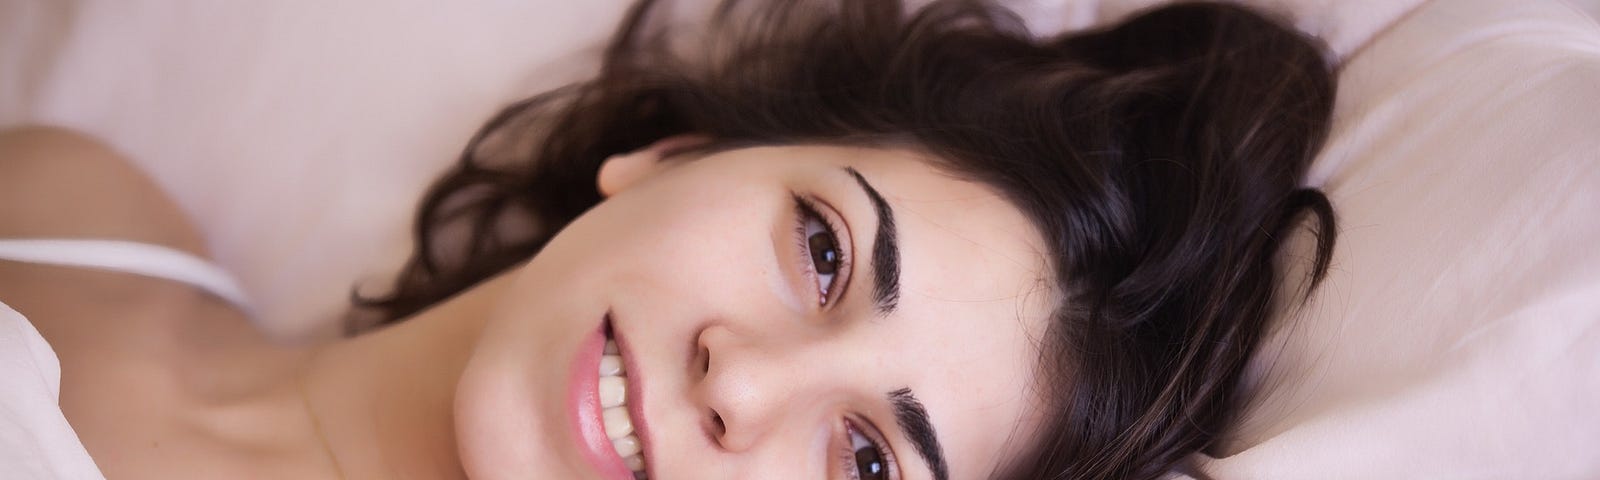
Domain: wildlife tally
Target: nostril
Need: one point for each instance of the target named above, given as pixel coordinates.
(715, 429)
(705, 361)
(699, 355)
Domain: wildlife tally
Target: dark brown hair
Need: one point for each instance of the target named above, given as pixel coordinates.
(1161, 158)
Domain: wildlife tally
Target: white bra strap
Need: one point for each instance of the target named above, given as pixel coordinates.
(129, 257)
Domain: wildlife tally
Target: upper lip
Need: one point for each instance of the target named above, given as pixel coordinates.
(635, 397)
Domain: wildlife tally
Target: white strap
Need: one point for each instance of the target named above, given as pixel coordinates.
(129, 257)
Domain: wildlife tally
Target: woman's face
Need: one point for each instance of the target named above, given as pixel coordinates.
(773, 322)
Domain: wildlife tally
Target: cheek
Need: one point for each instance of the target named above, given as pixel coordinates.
(701, 249)
(668, 256)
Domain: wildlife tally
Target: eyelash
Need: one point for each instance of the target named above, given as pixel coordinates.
(807, 210)
(847, 455)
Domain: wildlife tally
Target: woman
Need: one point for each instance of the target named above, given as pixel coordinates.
(838, 244)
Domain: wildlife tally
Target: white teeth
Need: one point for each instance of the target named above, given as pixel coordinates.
(613, 391)
(610, 366)
(635, 462)
(618, 424)
(626, 446)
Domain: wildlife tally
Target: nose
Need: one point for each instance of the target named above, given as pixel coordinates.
(750, 385)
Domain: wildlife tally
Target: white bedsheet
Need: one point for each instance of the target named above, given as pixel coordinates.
(36, 443)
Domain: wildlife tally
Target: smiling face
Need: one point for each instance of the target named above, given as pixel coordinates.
(808, 312)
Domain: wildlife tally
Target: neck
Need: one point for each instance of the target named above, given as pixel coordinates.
(383, 401)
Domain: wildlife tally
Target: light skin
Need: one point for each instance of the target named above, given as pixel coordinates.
(749, 369)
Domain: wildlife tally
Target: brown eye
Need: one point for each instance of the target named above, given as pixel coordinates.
(820, 242)
(869, 464)
(865, 457)
(824, 253)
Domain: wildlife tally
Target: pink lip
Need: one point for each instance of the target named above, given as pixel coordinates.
(585, 398)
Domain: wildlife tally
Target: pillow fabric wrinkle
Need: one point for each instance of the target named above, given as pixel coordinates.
(1459, 343)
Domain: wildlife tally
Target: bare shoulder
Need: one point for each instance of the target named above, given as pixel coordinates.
(57, 183)
(60, 183)
(127, 344)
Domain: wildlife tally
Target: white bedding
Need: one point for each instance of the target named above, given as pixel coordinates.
(1458, 334)
(36, 442)
(1456, 338)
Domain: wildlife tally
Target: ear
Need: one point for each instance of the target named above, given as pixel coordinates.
(625, 170)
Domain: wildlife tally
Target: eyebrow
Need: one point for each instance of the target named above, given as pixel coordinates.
(914, 423)
(885, 250)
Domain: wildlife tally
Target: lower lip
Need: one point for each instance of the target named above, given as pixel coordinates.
(585, 398)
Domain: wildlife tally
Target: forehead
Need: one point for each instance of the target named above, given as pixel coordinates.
(975, 296)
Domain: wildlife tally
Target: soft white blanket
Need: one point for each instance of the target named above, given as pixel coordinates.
(36, 443)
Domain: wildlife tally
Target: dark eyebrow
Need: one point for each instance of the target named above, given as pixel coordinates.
(885, 250)
(914, 423)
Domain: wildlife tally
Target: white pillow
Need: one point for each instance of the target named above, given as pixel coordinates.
(1458, 333)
